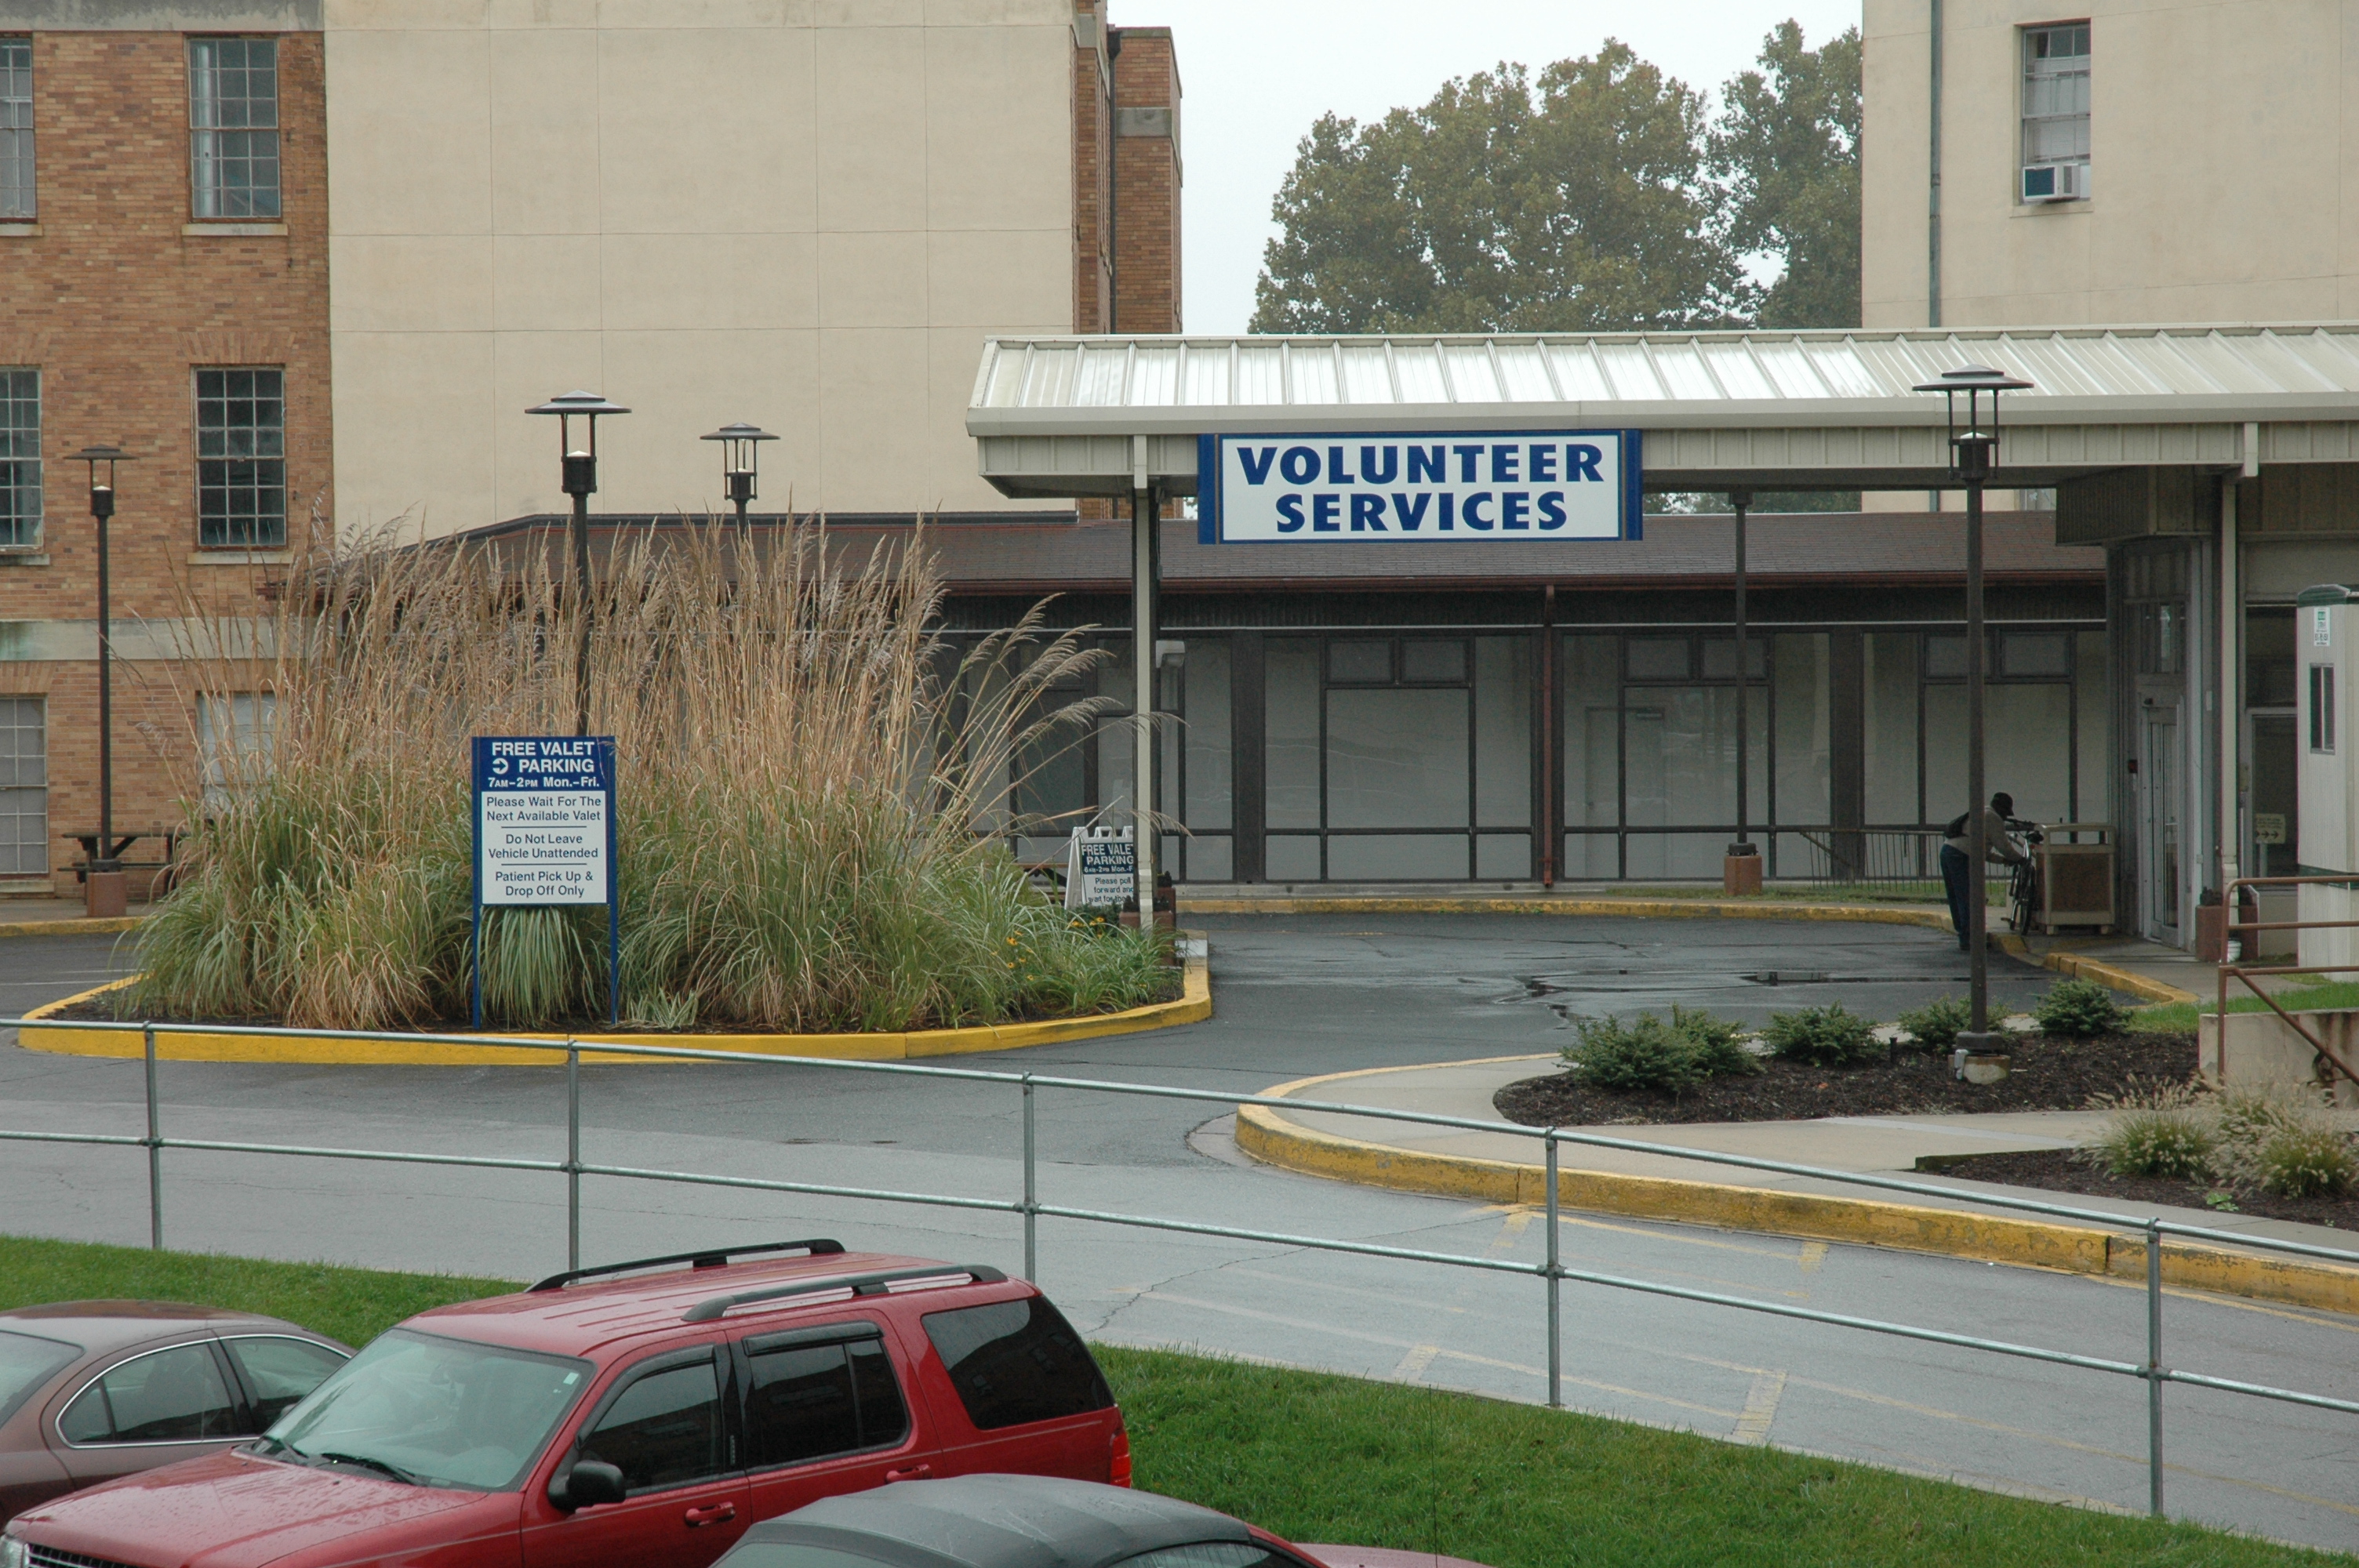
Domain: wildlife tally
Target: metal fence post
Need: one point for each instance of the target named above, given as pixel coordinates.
(1031, 1195)
(154, 1150)
(1555, 1334)
(572, 1155)
(2154, 1365)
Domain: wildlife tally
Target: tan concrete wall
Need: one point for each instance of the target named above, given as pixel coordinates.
(803, 214)
(2223, 167)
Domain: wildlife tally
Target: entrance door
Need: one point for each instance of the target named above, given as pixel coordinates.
(2159, 824)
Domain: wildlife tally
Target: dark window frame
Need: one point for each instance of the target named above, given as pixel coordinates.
(227, 475)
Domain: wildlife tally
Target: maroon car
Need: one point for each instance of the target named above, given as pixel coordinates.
(94, 1390)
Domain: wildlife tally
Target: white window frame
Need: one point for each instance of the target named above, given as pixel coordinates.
(19, 199)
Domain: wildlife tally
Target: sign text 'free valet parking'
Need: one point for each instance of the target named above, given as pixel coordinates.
(544, 819)
(1407, 485)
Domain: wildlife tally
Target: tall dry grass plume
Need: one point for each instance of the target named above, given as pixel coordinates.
(809, 783)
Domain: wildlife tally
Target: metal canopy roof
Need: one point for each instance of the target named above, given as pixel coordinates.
(1830, 409)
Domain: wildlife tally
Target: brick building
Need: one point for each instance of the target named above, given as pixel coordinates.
(284, 353)
(163, 243)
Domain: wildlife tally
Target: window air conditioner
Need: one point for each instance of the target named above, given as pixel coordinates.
(2056, 182)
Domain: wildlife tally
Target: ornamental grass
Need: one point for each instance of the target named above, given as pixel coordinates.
(812, 797)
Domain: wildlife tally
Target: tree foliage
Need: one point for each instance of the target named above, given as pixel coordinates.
(1786, 150)
(1599, 196)
(1573, 202)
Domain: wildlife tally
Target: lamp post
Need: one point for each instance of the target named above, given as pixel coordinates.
(739, 453)
(104, 895)
(581, 481)
(1974, 452)
(1741, 871)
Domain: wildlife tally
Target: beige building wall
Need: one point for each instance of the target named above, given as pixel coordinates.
(2224, 162)
(806, 214)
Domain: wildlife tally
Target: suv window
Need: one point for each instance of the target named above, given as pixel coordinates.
(166, 1396)
(1013, 1362)
(809, 1400)
(664, 1428)
(279, 1369)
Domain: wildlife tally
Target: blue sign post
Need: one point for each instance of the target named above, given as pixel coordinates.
(1472, 486)
(544, 838)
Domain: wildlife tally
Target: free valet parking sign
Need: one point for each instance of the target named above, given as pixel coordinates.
(1503, 486)
(544, 819)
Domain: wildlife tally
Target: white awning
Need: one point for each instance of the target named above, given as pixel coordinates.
(1766, 410)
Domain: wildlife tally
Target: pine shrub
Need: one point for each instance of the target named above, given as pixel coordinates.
(1825, 1036)
(1936, 1024)
(2079, 1008)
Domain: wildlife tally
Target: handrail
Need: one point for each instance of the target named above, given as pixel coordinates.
(2229, 903)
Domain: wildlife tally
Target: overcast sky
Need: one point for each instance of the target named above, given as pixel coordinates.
(1256, 73)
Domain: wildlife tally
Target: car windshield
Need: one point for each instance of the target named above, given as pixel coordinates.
(433, 1412)
(25, 1363)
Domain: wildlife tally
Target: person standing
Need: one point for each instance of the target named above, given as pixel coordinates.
(1958, 877)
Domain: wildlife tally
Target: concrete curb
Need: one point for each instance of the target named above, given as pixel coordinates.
(1269, 1136)
(1650, 908)
(112, 925)
(1193, 1006)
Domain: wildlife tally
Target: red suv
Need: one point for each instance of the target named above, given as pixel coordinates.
(644, 1419)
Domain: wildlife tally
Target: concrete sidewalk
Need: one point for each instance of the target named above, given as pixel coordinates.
(1878, 1145)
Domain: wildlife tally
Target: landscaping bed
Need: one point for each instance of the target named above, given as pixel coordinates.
(2047, 1074)
(2068, 1170)
(1316, 1456)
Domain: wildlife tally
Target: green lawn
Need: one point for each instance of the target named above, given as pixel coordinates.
(1317, 1457)
(2180, 1015)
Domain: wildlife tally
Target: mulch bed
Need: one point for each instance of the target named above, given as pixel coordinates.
(2062, 1171)
(2047, 1074)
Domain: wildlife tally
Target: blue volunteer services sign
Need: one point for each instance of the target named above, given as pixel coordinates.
(1506, 485)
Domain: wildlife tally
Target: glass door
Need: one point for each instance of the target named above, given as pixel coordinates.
(2158, 819)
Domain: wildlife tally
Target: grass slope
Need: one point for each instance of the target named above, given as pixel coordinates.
(1318, 1457)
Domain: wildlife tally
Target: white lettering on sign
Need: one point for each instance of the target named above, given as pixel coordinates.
(1561, 485)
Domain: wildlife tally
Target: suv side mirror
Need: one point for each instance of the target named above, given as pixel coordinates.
(586, 1484)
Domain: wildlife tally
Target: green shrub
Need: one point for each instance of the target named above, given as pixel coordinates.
(2302, 1162)
(1824, 1037)
(1644, 1055)
(2077, 1008)
(2158, 1132)
(1717, 1043)
(1936, 1024)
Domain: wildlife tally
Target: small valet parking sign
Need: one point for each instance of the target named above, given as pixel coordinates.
(545, 834)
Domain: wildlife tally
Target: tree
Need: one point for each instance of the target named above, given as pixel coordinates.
(1575, 204)
(1786, 147)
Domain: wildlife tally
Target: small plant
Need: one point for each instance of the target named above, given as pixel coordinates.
(1936, 1024)
(1645, 1054)
(2305, 1160)
(2157, 1131)
(663, 1012)
(2221, 1199)
(1824, 1037)
(2079, 1008)
(1718, 1042)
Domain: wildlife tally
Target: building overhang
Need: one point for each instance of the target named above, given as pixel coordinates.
(1832, 410)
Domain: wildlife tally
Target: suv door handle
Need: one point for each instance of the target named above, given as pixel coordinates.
(717, 1513)
(914, 1473)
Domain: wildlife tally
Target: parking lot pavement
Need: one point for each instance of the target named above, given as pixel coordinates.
(1295, 996)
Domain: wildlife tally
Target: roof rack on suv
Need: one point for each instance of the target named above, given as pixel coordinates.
(713, 1257)
(858, 1285)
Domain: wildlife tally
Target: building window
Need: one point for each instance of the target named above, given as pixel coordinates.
(235, 735)
(20, 458)
(2322, 708)
(15, 128)
(233, 126)
(242, 458)
(23, 788)
(2056, 112)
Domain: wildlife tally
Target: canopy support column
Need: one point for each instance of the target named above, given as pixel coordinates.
(1143, 554)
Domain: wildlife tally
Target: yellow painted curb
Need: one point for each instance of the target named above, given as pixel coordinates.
(1650, 908)
(113, 925)
(177, 1043)
(2115, 978)
(1269, 1136)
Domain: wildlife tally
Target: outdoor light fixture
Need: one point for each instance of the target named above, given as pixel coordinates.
(581, 481)
(104, 897)
(1974, 454)
(739, 454)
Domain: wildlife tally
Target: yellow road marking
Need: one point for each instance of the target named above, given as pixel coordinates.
(1413, 1365)
(1813, 1254)
(1760, 1409)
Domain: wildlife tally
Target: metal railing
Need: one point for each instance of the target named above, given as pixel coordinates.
(2328, 1058)
(2151, 1232)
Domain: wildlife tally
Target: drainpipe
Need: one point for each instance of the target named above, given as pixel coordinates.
(1114, 188)
(1933, 180)
(2231, 707)
(1546, 818)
